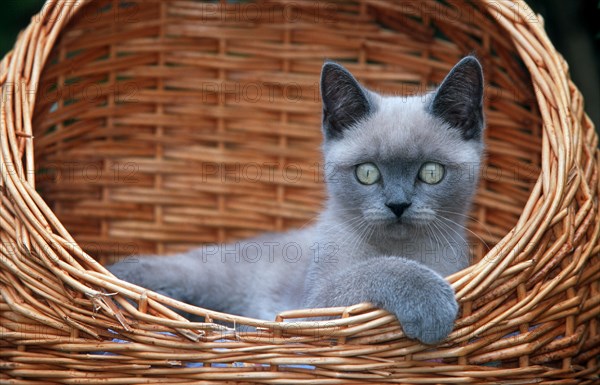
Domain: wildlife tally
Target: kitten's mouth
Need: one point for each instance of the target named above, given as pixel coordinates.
(391, 221)
(403, 221)
(396, 222)
(411, 222)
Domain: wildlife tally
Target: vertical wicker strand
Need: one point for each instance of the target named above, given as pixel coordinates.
(59, 105)
(283, 120)
(159, 130)
(16, 123)
(221, 78)
(112, 81)
(28, 102)
(482, 212)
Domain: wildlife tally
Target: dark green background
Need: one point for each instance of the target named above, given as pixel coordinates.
(573, 26)
(15, 15)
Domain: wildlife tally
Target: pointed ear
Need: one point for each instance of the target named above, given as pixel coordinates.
(345, 102)
(459, 99)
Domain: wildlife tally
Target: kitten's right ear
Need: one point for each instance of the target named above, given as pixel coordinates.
(345, 102)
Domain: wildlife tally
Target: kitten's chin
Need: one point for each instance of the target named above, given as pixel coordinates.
(402, 231)
(399, 229)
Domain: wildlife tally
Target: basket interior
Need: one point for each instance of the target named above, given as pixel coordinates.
(160, 126)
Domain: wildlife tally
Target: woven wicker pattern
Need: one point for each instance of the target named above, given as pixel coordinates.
(155, 126)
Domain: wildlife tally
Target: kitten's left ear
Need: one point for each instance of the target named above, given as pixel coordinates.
(459, 99)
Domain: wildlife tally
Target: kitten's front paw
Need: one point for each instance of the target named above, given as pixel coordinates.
(428, 313)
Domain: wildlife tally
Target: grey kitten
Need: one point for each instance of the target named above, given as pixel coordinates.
(401, 173)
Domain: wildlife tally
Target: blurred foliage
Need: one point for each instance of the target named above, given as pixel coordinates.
(14, 16)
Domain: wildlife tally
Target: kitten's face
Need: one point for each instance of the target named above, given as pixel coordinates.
(394, 158)
(398, 163)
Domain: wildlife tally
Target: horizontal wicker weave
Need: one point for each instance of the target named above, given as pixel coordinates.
(154, 126)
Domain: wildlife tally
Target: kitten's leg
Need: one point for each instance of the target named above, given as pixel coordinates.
(167, 275)
(421, 299)
(212, 277)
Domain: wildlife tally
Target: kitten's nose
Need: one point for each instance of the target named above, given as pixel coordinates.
(398, 208)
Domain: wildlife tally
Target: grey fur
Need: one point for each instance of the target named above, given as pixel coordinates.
(358, 250)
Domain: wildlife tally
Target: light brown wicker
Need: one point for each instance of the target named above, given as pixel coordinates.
(153, 126)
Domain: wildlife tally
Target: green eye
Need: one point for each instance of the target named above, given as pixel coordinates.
(367, 173)
(431, 172)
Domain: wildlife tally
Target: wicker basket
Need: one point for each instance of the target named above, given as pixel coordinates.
(154, 126)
